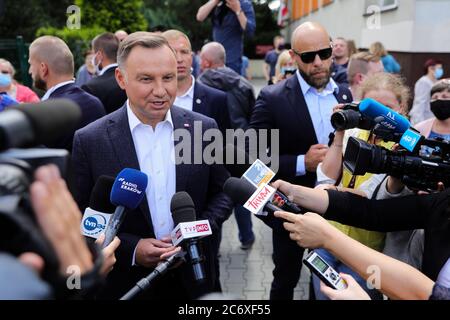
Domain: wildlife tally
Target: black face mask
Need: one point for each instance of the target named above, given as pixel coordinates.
(441, 109)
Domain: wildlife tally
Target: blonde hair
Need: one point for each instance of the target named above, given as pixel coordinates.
(283, 58)
(378, 49)
(174, 34)
(389, 82)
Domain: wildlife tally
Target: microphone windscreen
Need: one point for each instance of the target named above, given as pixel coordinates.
(373, 109)
(100, 197)
(239, 190)
(182, 208)
(237, 161)
(51, 119)
(129, 188)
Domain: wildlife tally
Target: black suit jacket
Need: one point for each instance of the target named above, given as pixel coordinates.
(91, 110)
(106, 88)
(212, 103)
(282, 106)
(104, 148)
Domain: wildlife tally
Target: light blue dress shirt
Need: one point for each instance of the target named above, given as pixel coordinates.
(320, 106)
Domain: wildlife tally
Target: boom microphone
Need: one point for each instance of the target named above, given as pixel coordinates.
(33, 124)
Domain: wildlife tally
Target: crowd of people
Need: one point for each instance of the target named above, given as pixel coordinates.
(135, 90)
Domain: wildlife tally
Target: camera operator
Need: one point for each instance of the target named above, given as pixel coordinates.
(59, 220)
(389, 90)
(396, 279)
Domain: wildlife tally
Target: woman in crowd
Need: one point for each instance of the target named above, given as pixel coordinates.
(15, 90)
(390, 64)
(285, 67)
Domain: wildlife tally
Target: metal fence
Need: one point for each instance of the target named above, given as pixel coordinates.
(16, 51)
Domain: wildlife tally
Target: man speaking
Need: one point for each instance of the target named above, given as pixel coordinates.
(140, 135)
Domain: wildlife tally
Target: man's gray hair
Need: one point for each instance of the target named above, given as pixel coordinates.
(215, 52)
(140, 39)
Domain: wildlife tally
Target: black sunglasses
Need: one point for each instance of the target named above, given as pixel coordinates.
(309, 57)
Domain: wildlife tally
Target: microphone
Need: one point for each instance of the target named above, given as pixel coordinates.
(188, 231)
(240, 191)
(161, 269)
(97, 215)
(389, 118)
(241, 162)
(32, 124)
(127, 192)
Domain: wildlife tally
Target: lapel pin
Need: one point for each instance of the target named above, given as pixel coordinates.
(198, 101)
(186, 125)
(344, 97)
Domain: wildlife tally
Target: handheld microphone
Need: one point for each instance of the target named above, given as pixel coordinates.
(183, 212)
(241, 162)
(97, 215)
(127, 192)
(389, 118)
(240, 191)
(37, 123)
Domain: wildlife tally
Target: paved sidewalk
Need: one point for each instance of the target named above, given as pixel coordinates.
(248, 274)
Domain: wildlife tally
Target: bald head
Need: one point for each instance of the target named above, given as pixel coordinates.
(310, 34)
(214, 54)
(55, 53)
(120, 35)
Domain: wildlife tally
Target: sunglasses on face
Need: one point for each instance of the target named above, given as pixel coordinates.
(309, 57)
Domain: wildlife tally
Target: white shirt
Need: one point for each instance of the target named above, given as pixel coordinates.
(320, 106)
(186, 100)
(112, 65)
(52, 89)
(155, 149)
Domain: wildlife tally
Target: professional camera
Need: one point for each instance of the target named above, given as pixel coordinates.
(30, 125)
(416, 169)
(350, 117)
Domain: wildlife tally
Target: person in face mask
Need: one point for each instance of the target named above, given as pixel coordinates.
(14, 90)
(439, 126)
(433, 71)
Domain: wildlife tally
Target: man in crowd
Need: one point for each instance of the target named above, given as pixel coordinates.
(140, 135)
(105, 86)
(191, 94)
(52, 69)
(231, 19)
(270, 61)
(361, 66)
(301, 108)
(341, 58)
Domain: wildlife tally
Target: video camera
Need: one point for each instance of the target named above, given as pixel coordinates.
(25, 126)
(417, 169)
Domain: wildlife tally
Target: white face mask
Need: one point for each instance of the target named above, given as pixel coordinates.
(96, 65)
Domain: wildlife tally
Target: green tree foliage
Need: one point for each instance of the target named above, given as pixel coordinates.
(79, 41)
(113, 15)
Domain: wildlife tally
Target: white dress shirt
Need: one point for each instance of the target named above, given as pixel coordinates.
(52, 89)
(186, 100)
(320, 106)
(155, 153)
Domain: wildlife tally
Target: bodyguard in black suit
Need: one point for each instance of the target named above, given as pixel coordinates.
(191, 94)
(133, 137)
(105, 86)
(300, 108)
(52, 68)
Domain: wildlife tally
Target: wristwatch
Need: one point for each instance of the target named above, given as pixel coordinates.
(238, 13)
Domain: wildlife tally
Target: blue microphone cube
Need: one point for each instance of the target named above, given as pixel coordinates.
(391, 119)
(129, 188)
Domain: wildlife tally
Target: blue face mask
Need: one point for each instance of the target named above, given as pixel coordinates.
(5, 80)
(438, 73)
